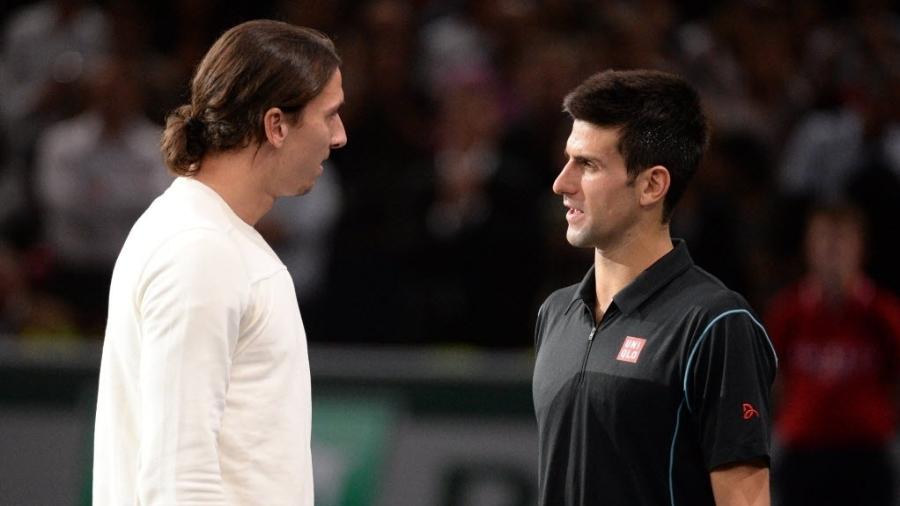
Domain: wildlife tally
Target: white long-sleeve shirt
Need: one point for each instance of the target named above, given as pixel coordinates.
(204, 394)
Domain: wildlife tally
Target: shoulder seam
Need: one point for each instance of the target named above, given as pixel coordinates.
(170, 238)
(687, 369)
(268, 276)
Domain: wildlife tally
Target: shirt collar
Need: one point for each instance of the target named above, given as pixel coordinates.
(198, 190)
(658, 275)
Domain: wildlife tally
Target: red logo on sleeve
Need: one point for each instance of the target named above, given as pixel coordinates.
(631, 349)
(749, 411)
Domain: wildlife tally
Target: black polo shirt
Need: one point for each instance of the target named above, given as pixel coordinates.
(637, 409)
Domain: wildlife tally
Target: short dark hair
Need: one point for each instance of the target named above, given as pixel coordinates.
(659, 117)
(252, 67)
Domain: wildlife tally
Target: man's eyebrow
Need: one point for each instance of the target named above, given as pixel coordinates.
(335, 108)
(582, 158)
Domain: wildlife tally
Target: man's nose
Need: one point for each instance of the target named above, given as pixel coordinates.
(339, 137)
(565, 182)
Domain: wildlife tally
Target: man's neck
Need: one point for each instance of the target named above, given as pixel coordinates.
(616, 267)
(235, 176)
(836, 287)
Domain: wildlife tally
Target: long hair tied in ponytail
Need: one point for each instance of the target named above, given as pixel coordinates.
(182, 143)
(251, 68)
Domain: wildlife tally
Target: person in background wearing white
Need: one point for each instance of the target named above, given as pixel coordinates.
(95, 174)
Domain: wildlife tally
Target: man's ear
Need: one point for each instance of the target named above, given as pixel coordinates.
(654, 185)
(275, 123)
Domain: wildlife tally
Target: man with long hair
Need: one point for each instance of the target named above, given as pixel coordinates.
(204, 393)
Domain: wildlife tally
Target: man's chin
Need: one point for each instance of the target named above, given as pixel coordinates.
(578, 240)
(297, 191)
(306, 188)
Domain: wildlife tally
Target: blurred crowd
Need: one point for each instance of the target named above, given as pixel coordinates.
(436, 224)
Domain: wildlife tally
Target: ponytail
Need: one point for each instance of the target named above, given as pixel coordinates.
(184, 141)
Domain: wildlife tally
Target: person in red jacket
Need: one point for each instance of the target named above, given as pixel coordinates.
(838, 337)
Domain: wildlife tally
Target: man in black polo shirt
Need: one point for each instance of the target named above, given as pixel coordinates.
(652, 380)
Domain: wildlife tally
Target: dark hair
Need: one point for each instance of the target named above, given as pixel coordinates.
(659, 118)
(251, 68)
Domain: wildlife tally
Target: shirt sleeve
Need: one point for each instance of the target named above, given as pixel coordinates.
(190, 303)
(728, 389)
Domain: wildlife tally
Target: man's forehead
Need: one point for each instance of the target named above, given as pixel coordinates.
(332, 95)
(334, 100)
(335, 83)
(588, 137)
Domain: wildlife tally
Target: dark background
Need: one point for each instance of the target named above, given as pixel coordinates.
(445, 229)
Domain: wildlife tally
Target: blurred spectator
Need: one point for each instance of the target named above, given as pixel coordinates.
(824, 151)
(729, 216)
(537, 129)
(483, 246)
(457, 42)
(838, 337)
(12, 287)
(537, 126)
(854, 121)
(852, 150)
(164, 78)
(96, 173)
(742, 60)
(46, 47)
(25, 311)
(804, 98)
(641, 30)
(182, 31)
(11, 198)
(381, 176)
(323, 16)
(875, 185)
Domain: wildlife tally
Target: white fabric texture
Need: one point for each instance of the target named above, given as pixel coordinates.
(204, 394)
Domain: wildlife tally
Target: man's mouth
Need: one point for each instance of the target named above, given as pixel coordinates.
(572, 211)
(573, 214)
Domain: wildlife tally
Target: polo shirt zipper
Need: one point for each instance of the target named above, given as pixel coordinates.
(587, 352)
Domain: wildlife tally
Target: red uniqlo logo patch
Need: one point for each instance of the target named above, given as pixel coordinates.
(631, 349)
